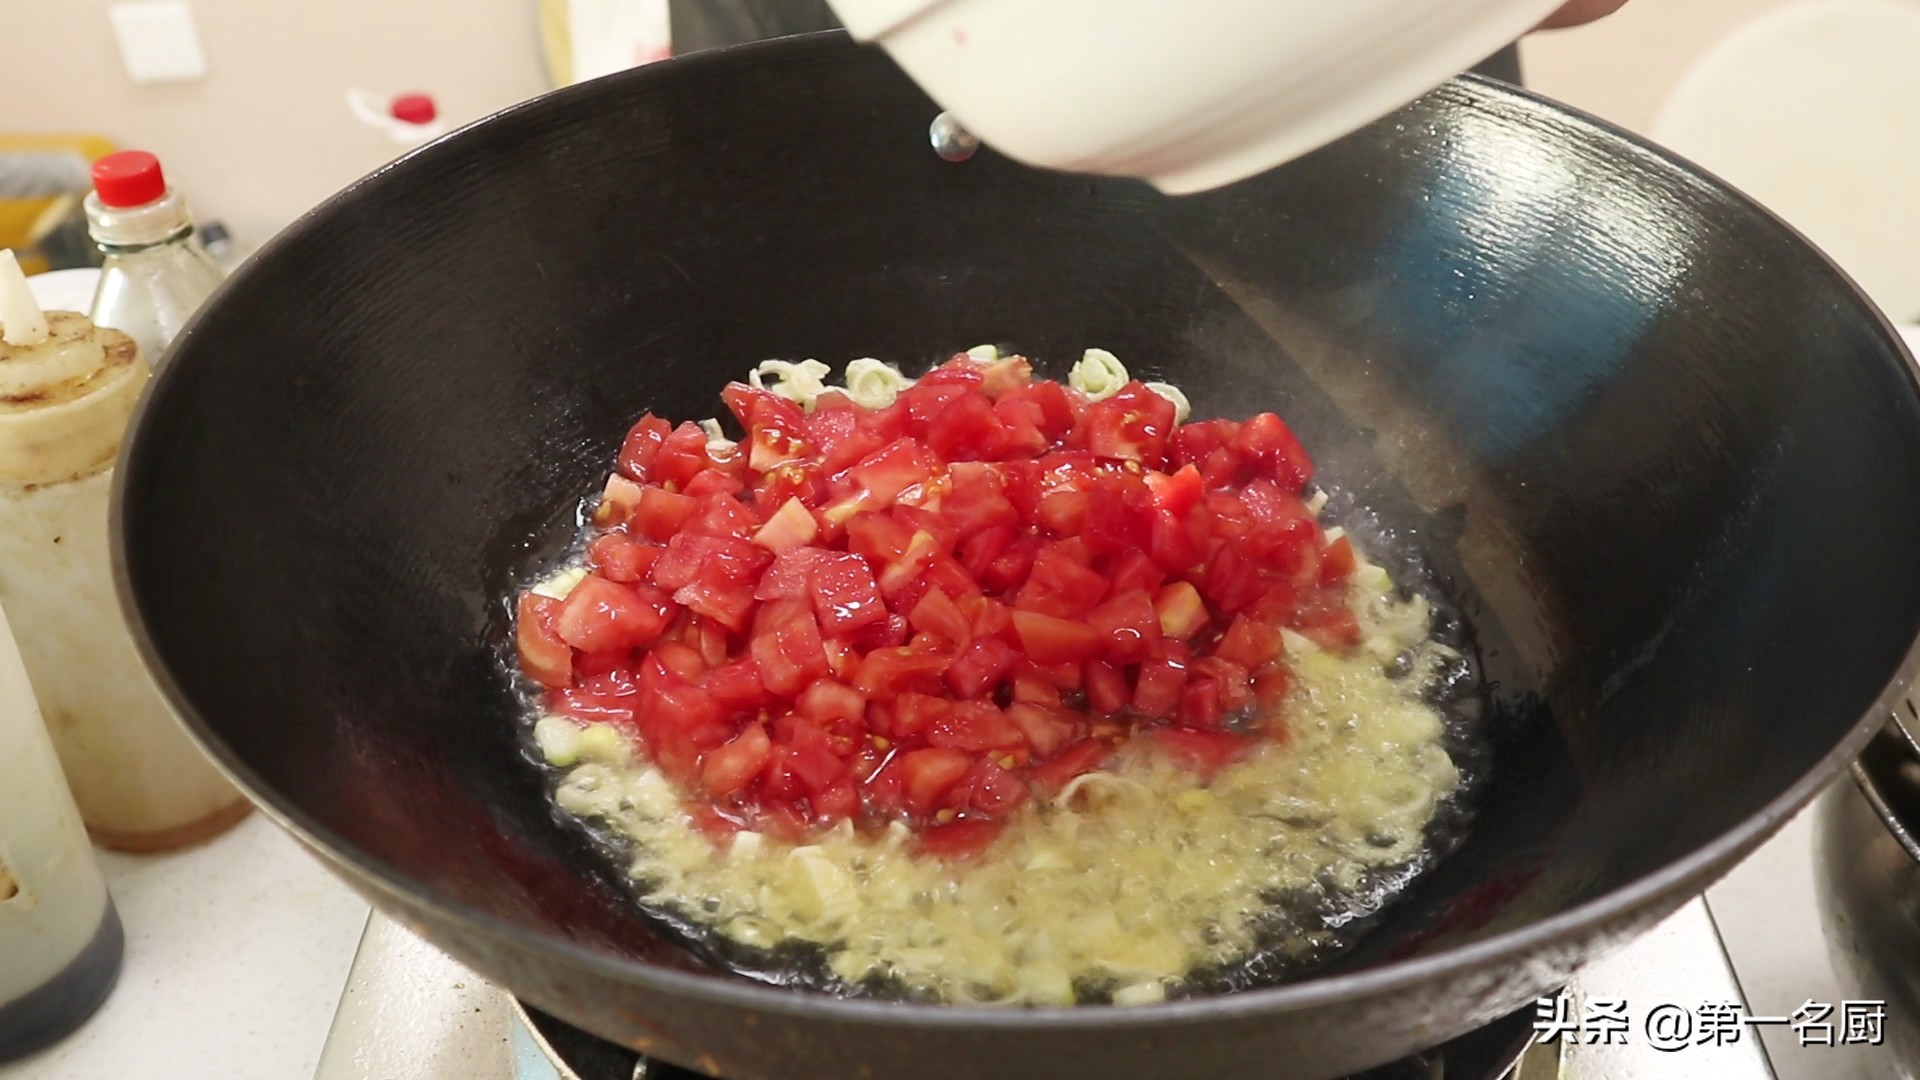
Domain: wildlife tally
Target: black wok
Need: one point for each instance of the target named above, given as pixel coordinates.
(1661, 453)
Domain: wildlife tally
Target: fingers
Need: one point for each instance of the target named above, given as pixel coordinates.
(1579, 12)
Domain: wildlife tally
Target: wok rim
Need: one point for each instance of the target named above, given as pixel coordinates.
(1690, 873)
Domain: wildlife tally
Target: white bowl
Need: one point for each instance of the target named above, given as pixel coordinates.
(1186, 94)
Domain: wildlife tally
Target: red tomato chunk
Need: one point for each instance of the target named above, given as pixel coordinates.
(936, 611)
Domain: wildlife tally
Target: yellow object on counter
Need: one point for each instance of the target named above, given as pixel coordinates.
(25, 217)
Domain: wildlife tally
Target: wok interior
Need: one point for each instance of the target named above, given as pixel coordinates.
(1659, 453)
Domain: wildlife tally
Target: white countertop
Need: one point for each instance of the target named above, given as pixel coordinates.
(238, 956)
(237, 951)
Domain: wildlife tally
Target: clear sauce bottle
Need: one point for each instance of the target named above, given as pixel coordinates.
(156, 273)
(60, 938)
(67, 389)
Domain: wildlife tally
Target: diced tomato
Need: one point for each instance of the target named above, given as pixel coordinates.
(722, 515)
(1013, 565)
(791, 527)
(845, 596)
(991, 618)
(618, 500)
(1248, 643)
(1064, 513)
(835, 428)
(978, 669)
(737, 686)
(977, 552)
(927, 775)
(1061, 584)
(544, 655)
(976, 501)
(660, 514)
(1192, 442)
(890, 631)
(1005, 376)
(1021, 421)
(835, 802)
(1066, 674)
(925, 401)
(960, 369)
(987, 790)
(1107, 691)
(1031, 686)
(682, 660)
(733, 766)
(1181, 611)
(1266, 438)
(1178, 492)
(1205, 752)
(1177, 543)
(790, 654)
(790, 575)
(920, 519)
(976, 726)
(681, 457)
(1052, 411)
(1050, 640)
(1132, 425)
(778, 780)
(1234, 685)
(708, 482)
(886, 672)
(1046, 730)
(1113, 526)
(880, 580)
(1134, 570)
(1337, 562)
(601, 615)
(957, 841)
(1050, 776)
(878, 537)
(1270, 686)
(1200, 704)
(642, 445)
(1157, 689)
(967, 430)
(812, 761)
(937, 614)
(709, 639)
(915, 714)
(1129, 624)
(885, 474)
(1329, 624)
(619, 557)
(1234, 583)
(827, 703)
(923, 550)
(712, 559)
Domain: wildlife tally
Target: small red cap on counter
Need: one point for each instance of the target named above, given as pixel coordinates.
(413, 109)
(128, 178)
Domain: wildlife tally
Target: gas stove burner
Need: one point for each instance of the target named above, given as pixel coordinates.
(1492, 1052)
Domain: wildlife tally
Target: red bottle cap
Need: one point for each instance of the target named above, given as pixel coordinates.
(128, 178)
(413, 109)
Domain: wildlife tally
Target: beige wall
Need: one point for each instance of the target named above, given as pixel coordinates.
(267, 133)
(1623, 67)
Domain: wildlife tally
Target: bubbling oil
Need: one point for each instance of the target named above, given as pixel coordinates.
(1139, 883)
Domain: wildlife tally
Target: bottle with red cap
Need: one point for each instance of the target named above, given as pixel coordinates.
(157, 273)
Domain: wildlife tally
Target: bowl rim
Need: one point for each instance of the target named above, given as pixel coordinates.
(1686, 875)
